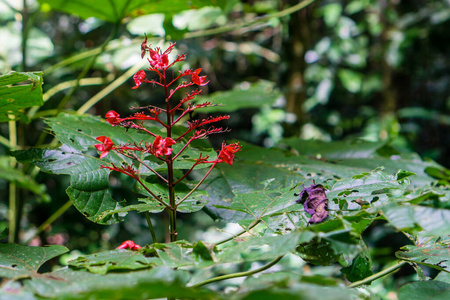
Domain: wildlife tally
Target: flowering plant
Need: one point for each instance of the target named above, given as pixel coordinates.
(161, 147)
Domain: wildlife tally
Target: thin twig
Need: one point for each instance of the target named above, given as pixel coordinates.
(240, 274)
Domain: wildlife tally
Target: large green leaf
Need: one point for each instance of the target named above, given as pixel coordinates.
(365, 156)
(116, 10)
(19, 90)
(103, 262)
(89, 184)
(433, 253)
(423, 290)
(160, 282)
(303, 291)
(18, 261)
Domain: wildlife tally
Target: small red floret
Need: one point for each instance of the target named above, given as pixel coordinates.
(129, 245)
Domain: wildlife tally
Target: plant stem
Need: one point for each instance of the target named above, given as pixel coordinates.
(240, 274)
(13, 205)
(380, 274)
(252, 225)
(110, 88)
(150, 226)
(169, 162)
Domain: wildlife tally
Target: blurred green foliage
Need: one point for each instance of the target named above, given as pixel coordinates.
(369, 79)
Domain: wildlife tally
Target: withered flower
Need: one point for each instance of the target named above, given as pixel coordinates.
(316, 202)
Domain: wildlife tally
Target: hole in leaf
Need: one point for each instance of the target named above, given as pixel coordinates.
(79, 130)
(375, 199)
(13, 266)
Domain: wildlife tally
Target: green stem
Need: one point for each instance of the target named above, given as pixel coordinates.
(252, 225)
(13, 205)
(150, 226)
(62, 86)
(380, 274)
(240, 274)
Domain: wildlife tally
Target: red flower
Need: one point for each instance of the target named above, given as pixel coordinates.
(227, 153)
(158, 60)
(113, 118)
(105, 146)
(129, 245)
(139, 78)
(161, 146)
(199, 80)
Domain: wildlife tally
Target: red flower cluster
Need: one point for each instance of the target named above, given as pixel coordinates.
(162, 146)
(129, 245)
(227, 152)
(135, 154)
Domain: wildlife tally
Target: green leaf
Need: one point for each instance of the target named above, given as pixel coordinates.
(303, 291)
(433, 253)
(341, 158)
(372, 189)
(116, 10)
(18, 261)
(193, 203)
(19, 90)
(420, 220)
(89, 184)
(360, 268)
(244, 95)
(159, 282)
(261, 248)
(423, 290)
(102, 262)
(4, 233)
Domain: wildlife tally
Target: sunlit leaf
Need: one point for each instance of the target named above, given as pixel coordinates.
(18, 91)
(101, 263)
(420, 220)
(115, 10)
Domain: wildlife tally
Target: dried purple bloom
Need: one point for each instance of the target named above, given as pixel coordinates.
(316, 203)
